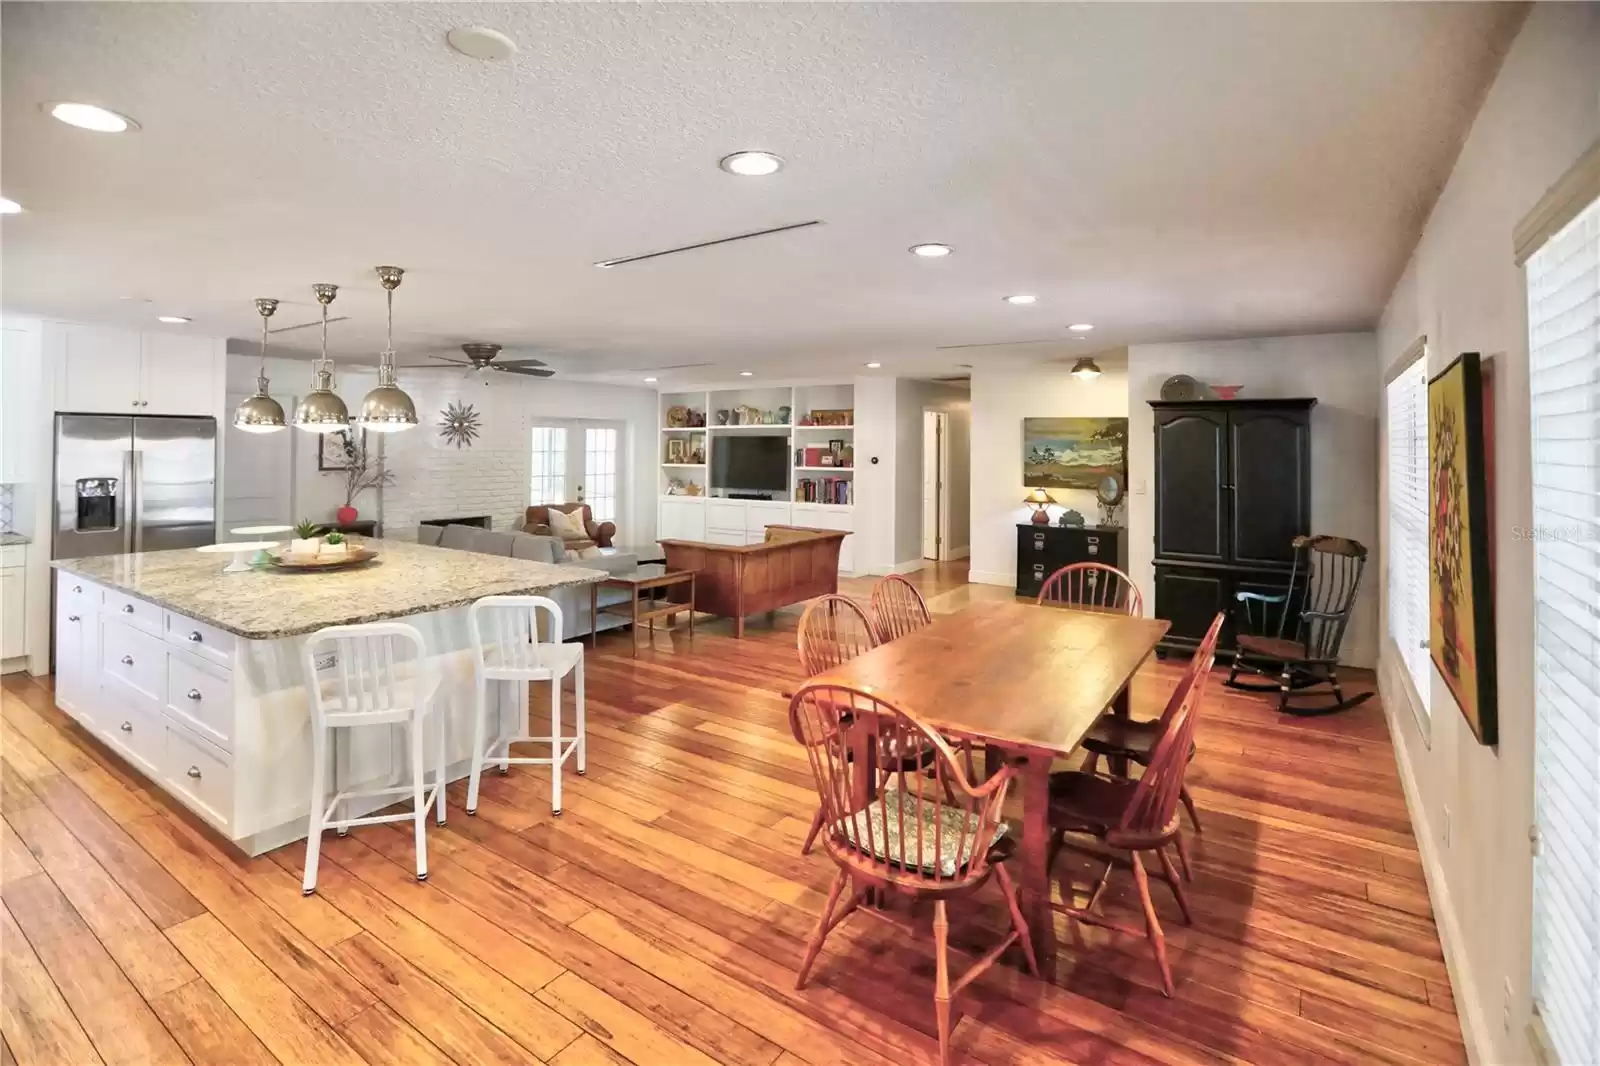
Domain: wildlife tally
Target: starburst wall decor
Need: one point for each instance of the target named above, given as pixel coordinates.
(458, 424)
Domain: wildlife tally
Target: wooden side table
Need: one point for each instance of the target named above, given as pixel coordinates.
(641, 584)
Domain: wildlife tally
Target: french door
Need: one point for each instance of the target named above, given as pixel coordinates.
(577, 461)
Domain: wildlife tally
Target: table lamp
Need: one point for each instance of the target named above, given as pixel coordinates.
(1039, 500)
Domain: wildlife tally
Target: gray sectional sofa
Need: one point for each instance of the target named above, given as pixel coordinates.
(574, 601)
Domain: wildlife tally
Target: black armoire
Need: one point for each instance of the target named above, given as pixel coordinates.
(1232, 490)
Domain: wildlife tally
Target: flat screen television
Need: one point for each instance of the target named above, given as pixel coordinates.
(754, 462)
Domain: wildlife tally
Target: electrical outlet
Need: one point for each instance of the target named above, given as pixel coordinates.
(1505, 1007)
(1446, 831)
(1138, 486)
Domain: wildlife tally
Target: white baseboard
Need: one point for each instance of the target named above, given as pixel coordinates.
(991, 577)
(907, 567)
(1463, 981)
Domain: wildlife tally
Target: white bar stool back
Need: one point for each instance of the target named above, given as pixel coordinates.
(382, 677)
(506, 647)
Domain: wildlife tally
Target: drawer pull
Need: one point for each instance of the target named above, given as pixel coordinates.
(127, 608)
(72, 618)
(194, 694)
(127, 660)
(126, 727)
(194, 772)
(194, 636)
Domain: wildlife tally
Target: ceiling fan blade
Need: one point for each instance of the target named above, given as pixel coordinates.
(519, 362)
(305, 325)
(525, 371)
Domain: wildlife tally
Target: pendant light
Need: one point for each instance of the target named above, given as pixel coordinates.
(387, 409)
(321, 410)
(1085, 369)
(259, 412)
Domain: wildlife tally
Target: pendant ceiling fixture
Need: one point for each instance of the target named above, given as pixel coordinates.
(259, 412)
(321, 410)
(1085, 369)
(387, 409)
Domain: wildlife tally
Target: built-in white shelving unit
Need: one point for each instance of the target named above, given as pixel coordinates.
(818, 492)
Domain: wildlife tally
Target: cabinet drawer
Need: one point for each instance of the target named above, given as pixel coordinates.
(197, 774)
(204, 640)
(135, 733)
(726, 516)
(13, 555)
(200, 697)
(134, 611)
(75, 594)
(133, 665)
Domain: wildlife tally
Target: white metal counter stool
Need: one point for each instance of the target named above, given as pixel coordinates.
(506, 647)
(381, 677)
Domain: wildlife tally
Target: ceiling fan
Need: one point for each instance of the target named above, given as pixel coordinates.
(482, 357)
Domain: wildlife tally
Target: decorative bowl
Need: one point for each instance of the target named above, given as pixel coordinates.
(355, 555)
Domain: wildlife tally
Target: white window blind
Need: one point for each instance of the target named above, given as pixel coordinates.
(1564, 368)
(1407, 446)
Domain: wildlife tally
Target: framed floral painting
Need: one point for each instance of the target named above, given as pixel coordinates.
(1460, 580)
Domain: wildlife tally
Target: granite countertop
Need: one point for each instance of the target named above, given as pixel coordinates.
(8, 538)
(270, 604)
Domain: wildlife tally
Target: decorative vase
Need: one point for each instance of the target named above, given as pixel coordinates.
(307, 546)
(333, 550)
(345, 515)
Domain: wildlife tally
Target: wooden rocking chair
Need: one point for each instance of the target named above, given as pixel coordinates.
(1315, 608)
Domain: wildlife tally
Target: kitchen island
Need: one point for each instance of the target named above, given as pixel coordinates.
(196, 676)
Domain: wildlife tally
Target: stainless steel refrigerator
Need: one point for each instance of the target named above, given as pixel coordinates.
(133, 484)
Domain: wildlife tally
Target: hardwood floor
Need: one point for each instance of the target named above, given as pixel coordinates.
(659, 920)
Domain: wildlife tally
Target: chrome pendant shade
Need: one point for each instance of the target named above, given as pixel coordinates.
(259, 412)
(387, 409)
(321, 410)
(1085, 369)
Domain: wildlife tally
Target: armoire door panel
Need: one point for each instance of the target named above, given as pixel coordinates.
(1190, 599)
(1269, 479)
(1191, 511)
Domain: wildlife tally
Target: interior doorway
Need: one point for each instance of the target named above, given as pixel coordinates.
(935, 485)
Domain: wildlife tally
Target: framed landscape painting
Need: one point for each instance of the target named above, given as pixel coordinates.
(1073, 453)
(1460, 583)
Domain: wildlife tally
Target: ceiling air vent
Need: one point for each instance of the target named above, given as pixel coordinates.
(708, 244)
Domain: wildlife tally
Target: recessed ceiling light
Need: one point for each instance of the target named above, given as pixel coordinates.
(649, 381)
(479, 42)
(930, 251)
(751, 164)
(9, 207)
(90, 117)
(1022, 298)
(172, 320)
(1080, 327)
(747, 373)
(873, 366)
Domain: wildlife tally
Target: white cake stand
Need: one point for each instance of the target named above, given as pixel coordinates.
(240, 551)
(260, 531)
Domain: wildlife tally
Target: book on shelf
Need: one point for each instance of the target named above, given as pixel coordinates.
(834, 490)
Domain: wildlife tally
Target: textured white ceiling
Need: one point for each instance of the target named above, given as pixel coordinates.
(1161, 170)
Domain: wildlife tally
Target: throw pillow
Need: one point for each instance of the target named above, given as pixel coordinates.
(568, 526)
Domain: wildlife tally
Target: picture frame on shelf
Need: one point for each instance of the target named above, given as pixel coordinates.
(676, 450)
(836, 452)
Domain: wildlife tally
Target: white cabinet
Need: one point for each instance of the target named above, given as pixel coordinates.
(744, 521)
(77, 648)
(725, 518)
(22, 410)
(682, 518)
(818, 516)
(105, 370)
(759, 514)
(13, 616)
(177, 374)
(100, 368)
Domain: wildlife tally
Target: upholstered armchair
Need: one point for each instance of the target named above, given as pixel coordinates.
(538, 521)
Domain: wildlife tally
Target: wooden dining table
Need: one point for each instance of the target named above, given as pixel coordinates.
(1027, 681)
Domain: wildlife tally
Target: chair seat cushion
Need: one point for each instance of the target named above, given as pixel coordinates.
(871, 832)
(1272, 647)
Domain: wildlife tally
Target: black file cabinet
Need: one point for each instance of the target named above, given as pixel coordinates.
(1042, 550)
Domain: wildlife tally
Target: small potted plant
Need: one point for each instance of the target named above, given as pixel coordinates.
(306, 541)
(334, 545)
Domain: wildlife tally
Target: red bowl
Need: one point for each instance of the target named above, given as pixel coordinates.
(1226, 392)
